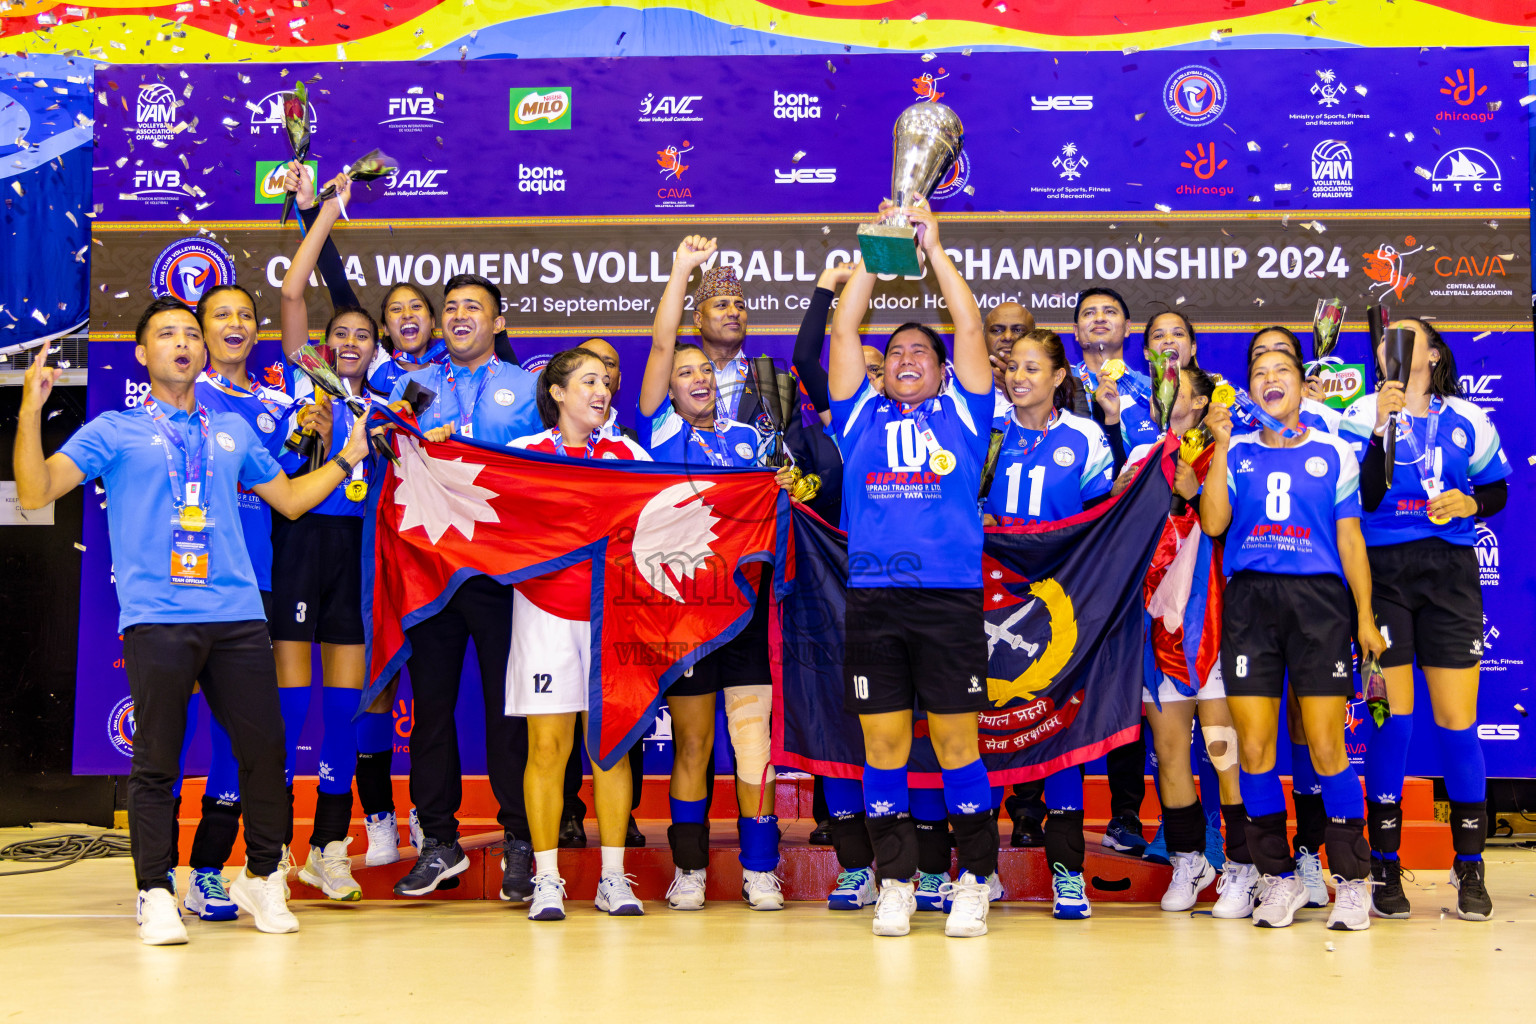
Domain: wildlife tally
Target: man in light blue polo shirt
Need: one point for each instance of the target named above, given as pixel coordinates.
(191, 610)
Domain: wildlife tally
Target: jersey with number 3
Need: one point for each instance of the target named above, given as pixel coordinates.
(1286, 503)
(908, 525)
(1043, 478)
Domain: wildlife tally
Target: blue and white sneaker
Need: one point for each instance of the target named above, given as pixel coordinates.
(855, 890)
(1071, 896)
(418, 839)
(208, 898)
(1157, 849)
(1123, 835)
(994, 892)
(1215, 847)
(548, 902)
(616, 895)
(928, 895)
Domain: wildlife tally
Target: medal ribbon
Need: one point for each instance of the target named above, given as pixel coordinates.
(186, 489)
(222, 383)
(1251, 414)
(592, 440)
(709, 453)
(1029, 450)
(920, 417)
(490, 369)
(1424, 458)
(723, 408)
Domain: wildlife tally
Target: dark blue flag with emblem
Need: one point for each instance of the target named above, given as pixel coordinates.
(1065, 626)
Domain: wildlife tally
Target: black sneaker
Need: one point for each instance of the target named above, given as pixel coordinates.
(1387, 896)
(1472, 900)
(437, 863)
(633, 837)
(1123, 835)
(821, 835)
(573, 834)
(517, 871)
(1027, 833)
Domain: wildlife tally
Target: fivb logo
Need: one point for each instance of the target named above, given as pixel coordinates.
(412, 110)
(157, 183)
(796, 106)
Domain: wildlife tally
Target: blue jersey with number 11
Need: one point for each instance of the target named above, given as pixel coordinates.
(1286, 503)
(1042, 477)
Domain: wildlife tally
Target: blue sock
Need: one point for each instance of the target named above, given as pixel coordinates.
(1064, 790)
(1461, 762)
(967, 789)
(375, 732)
(885, 792)
(927, 804)
(1262, 793)
(295, 704)
(338, 747)
(223, 771)
(759, 842)
(688, 812)
(997, 797)
(1303, 775)
(1386, 760)
(845, 797)
(193, 704)
(1342, 798)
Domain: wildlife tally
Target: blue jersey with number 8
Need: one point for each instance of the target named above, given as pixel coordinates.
(1286, 503)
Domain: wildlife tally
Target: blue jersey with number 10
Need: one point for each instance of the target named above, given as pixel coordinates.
(1044, 477)
(1286, 503)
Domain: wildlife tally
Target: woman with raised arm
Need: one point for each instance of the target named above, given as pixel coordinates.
(913, 460)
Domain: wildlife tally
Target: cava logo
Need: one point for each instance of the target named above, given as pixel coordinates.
(1061, 103)
(540, 179)
(926, 85)
(540, 109)
(805, 176)
(672, 166)
(1487, 546)
(796, 106)
(1194, 96)
(1342, 384)
(412, 112)
(1387, 267)
(156, 112)
(416, 182)
(267, 114)
(272, 175)
(1333, 170)
(1466, 170)
(654, 110)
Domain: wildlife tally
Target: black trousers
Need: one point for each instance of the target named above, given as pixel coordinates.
(1126, 767)
(481, 609)
(233, 661)
(574, 807)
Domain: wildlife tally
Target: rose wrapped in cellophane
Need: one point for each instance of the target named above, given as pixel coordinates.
(296, 125)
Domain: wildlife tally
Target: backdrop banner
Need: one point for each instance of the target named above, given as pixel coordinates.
(1239, 187)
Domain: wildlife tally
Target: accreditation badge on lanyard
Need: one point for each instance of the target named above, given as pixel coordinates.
(715, 458)
(940, 460)
(191, 472)
(467, 423)
(1426, 460)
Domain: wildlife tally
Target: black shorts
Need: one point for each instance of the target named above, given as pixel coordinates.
(317, 579)
(911, 646)
(740, 661)
(1429, 603)
(1274, 624)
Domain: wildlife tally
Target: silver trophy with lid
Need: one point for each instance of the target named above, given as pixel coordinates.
(926, 143)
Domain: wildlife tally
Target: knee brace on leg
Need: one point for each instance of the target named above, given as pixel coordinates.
(747, 711)
(1220, 746)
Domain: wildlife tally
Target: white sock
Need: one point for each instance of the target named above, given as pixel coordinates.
(546, 862)
(613, 860)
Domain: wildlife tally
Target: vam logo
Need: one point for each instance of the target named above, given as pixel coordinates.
(1064, 103)
(1487, 546)
(1466, 169)
(539, 109)
(805, 176)
(156, 111)
(267, 114)
(1333, 170)
(1194, 96)
(669, 108)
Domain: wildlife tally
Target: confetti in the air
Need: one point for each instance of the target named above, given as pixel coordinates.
(918, 19)
(1253, 147)
(1163, 208)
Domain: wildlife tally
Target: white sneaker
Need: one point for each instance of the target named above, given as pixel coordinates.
(284, 866)
(1236, 891)
(1281, 899)
(548, 902)
(687, 890)
(1309, 868)
(1351, 905)
(994, 889)
(330, 871)
(383, 839)
(159, 918)
(615, 895)
(894, 907)
(761, 890)
(264, 900)
(1191, 874)
(968, 900)
(418, 838)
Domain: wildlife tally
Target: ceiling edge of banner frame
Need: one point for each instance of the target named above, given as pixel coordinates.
(1011, 217)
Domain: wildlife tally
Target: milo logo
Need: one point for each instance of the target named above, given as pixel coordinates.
(1342, 384)
(540, 109)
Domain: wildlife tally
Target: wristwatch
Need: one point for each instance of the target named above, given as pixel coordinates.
(346, 467)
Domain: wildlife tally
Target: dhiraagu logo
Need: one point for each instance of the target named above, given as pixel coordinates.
(270, 175)
(539, 109)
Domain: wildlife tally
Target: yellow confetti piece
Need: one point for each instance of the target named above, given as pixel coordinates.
(78, 545)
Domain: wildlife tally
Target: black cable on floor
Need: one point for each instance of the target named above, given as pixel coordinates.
(64, 849)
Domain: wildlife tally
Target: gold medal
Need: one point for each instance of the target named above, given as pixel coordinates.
(942, 462)
(193, 519)
(357, 490)
(1113, 370)
(1438, 521)
(1225, 394)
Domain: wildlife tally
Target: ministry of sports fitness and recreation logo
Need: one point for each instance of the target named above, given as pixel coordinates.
(1194, 96)
(1329, 91)
(1466, 169)
(155, 112)
(1328, 88)
(1333, 170)
(665, 109)
(272, 175)
(267, 114)
(120, 727)
(413, 112)
(1070, 161)
(539, 109)
(189, 267)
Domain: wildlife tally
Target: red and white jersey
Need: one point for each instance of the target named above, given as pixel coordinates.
(568, 592)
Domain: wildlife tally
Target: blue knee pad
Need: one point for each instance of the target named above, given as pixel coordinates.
(845, 797)
(885, 792)
(1386, 760)
(1064, 790)
(1342, 798)
(294, 701)
(1262, 793)
(927, 804)
(375, 732)
(338, 747)
(967, 789)
(223, 771)
(1461, 762)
